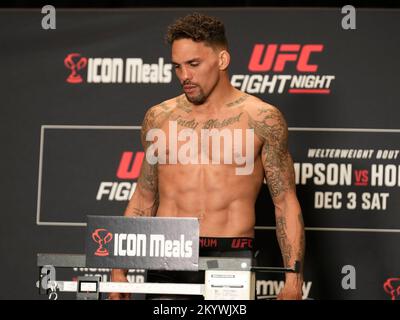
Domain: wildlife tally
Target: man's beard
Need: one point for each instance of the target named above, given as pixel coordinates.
(197, 100)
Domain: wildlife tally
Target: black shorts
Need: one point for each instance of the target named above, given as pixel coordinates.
(208, 247)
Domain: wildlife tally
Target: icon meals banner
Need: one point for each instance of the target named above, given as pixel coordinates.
(142, 243)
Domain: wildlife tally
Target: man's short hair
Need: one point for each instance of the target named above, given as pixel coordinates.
(199, 28)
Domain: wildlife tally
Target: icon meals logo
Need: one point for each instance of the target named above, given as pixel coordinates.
(392, 288)
(75, 62)
(101, 237)
(116, 70)
(141, 245)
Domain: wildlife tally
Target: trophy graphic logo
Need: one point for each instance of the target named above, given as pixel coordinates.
(392, 288)
(101, 237)
(74, 63)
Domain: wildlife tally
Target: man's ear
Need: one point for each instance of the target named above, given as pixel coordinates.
(224, 60)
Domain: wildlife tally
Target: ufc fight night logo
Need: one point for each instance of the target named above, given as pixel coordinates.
(268, 57)
(124, 185)
(275, 59)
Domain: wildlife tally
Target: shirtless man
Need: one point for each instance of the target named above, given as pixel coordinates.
(222, 199)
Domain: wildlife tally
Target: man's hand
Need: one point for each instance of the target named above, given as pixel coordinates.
(291, 290)
(118, 275)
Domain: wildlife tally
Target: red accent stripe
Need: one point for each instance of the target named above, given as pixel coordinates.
(320, 91)
(361, 183)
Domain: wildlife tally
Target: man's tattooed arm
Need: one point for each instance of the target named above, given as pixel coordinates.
(270, 126)
(145, 199)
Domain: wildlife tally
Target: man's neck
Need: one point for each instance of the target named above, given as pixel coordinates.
(222, 94)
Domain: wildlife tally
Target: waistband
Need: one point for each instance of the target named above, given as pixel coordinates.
(225, 244)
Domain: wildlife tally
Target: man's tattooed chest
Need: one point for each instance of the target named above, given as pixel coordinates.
(196, 123)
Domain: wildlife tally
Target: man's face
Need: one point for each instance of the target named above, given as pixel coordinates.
(197, 68)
